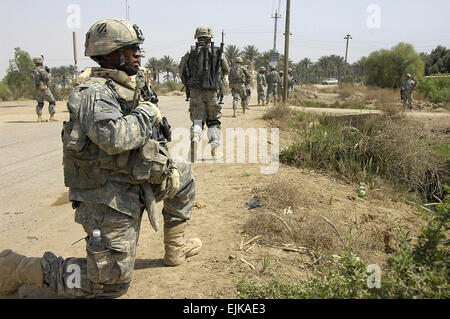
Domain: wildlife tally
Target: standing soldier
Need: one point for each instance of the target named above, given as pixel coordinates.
(272, 85)
(291, 82)
(239, 79)
(261, 86)
(203, 68)
(40, 79)
(406, 88)
(115, 169)
(280, 86)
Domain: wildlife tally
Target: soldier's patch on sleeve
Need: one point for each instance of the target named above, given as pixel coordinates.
(106, 108)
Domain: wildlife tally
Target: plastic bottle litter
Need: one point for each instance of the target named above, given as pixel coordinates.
(362, 190)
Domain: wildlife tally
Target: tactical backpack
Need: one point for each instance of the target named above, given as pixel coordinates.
(204, 67)
(237, 75)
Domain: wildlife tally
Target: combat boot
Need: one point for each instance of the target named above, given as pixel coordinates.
(40, 119)
(234, 113)
(17, 270)
(176, 247)
(52, 118)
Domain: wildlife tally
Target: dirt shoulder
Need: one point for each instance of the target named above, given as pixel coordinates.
(222, 224)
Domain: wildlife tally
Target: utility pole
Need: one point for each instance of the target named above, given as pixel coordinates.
(347, 37)
(74, 36)
(276, 17)
(127, 10)
(287, 33)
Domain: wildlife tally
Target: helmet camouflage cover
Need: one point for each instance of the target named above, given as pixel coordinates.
(38, 59)
(203, 31)
(108, 35)
(238, 60)
(262, 69)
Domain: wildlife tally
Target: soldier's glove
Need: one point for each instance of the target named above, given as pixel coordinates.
(151, 109)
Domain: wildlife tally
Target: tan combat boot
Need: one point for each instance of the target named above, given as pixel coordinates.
(177, 248)
(52, 118)
(40, 119)
(17, 270)
(234, 113)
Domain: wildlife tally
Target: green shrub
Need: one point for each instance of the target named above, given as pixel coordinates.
(379, 146)
(5, 92)
(172, 86)
(436, 89)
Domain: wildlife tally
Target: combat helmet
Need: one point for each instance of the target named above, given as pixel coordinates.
(289, 70)
(38, 60)
(273, 67)
(238, 60)
(108, 35)
(408, 75)
(262, 69)
(203, 31)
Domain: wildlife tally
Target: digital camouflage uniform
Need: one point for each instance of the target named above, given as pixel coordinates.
(406, 89)
(261, 86)
(291, 82)
(272, 85)
(40, 79)
(280, 86)
(239, 80)
(115, 169)
(204, 72)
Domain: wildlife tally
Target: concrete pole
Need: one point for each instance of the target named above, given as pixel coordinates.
(287, 33)
(347, 37)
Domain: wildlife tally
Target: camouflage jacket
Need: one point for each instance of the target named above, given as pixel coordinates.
(40, 78)
(407, 86)
(102, 139)
(261, 80)
(273, 78)
(291, 81)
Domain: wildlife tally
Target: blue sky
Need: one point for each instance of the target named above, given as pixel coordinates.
(318, 27)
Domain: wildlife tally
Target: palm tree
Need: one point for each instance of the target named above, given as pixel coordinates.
(303, 68)
(168, 65)
(232, 52)
(154, 65)
(250, 52)
(263, 59)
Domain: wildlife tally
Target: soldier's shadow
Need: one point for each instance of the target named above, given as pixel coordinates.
(148, 263)
(20, 122)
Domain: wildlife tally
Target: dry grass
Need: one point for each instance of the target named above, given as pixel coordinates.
(323, 227)
(279, 114)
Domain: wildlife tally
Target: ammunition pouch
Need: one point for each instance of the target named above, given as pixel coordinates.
(151, 163)
(81, 167)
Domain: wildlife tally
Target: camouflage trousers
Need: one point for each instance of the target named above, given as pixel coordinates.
(290, 89)
(108, 273)
(280, 93)
(204, 109)
(261, 94)
(408, 101)
(272, 90)
(45, 95)
(239, 92)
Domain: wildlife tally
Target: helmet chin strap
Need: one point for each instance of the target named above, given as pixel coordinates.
(124, 66)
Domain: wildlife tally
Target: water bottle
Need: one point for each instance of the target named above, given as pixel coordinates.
(96, 241)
